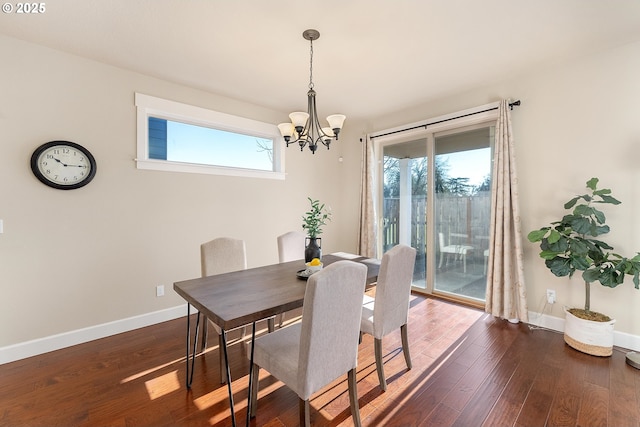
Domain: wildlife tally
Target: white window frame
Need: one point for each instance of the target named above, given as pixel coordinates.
(150, 106)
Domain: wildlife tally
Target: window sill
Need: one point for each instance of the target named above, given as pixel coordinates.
(168, 166)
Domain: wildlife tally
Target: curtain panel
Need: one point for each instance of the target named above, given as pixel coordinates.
(367, 232)
(505, 293)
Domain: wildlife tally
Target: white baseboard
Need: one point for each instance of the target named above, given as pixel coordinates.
(620, 339)
(67, 339)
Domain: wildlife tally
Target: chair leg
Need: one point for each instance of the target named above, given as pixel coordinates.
(405, 345)
(305, 416)
(353, 397)
(379, 367)
(223, 367)
(280, 318)
(271, 324)
(204, 332)
(254, 391)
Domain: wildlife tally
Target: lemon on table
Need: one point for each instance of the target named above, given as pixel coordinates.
(315, 262)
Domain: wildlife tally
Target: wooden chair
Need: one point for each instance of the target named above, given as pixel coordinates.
(389, 310)
(324, 346)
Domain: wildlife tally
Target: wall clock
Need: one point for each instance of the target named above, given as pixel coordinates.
(63, 165)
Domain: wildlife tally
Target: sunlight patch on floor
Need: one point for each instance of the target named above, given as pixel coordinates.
(162, 385)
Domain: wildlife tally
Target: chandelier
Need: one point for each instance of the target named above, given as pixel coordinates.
(305, 127)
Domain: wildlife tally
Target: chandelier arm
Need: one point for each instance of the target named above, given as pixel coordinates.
(317, 134)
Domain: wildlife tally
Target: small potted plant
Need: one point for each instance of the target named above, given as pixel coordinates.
(573, 243)
(313, 221)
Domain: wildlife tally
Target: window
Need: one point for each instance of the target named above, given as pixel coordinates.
(183, 138)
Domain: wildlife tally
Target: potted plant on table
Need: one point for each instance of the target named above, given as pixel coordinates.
(572, 244)
(313, 221)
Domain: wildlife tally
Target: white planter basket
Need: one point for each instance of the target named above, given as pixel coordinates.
(595, 338)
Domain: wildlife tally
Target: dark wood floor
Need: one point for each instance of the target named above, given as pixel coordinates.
(469, 369)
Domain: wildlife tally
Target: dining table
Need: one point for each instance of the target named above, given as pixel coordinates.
(244, 297)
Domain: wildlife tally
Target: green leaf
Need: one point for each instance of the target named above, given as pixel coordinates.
(537, 235)
(580, 262)
(561, 246)
(548, 254)
(592, 183)
(554, 236)
(601, 192)
(590, 275)
(609, 199)
(599, 216)
(572, 202)
(560, 266)
(583, 210)
(582, 226)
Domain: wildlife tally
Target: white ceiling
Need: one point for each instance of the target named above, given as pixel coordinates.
(373, 56)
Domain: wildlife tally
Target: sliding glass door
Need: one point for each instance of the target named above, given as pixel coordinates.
(436, 197)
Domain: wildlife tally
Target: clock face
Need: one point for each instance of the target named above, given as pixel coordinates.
(63, 165)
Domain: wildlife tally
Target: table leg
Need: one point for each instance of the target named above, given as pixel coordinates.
(189, 379)
(253, 338)
(226, 360)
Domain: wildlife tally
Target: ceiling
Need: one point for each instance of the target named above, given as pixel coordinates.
(373, 57)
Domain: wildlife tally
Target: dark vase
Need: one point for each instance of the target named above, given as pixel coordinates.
(312, 248)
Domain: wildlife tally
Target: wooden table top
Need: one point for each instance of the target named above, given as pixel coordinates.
(245, 296)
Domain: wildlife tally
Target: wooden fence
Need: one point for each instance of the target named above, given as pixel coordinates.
(469, 215)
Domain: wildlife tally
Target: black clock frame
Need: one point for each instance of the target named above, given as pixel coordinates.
(36, 170)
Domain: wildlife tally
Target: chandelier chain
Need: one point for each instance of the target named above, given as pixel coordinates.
(311, 65)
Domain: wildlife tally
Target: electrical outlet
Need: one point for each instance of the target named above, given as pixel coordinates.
(551, 296)
(160, 290)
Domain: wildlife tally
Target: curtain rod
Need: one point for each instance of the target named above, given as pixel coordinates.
(511, 105)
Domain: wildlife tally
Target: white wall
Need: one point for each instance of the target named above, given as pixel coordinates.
(75, 259)
(578, 119)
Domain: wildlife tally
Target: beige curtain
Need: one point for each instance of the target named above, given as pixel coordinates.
(506, 294)
(367, 245)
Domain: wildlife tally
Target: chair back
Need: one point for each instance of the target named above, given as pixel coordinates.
(441, 240)
(391, 308)
(222, 255)
(291, 246)
(330, 325)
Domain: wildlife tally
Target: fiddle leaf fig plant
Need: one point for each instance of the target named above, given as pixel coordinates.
(573, 244)
(315, 218)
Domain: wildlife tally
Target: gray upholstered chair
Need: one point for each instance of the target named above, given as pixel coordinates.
(324, 346)
(291, 246)
(218, 256)
(389, 310)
